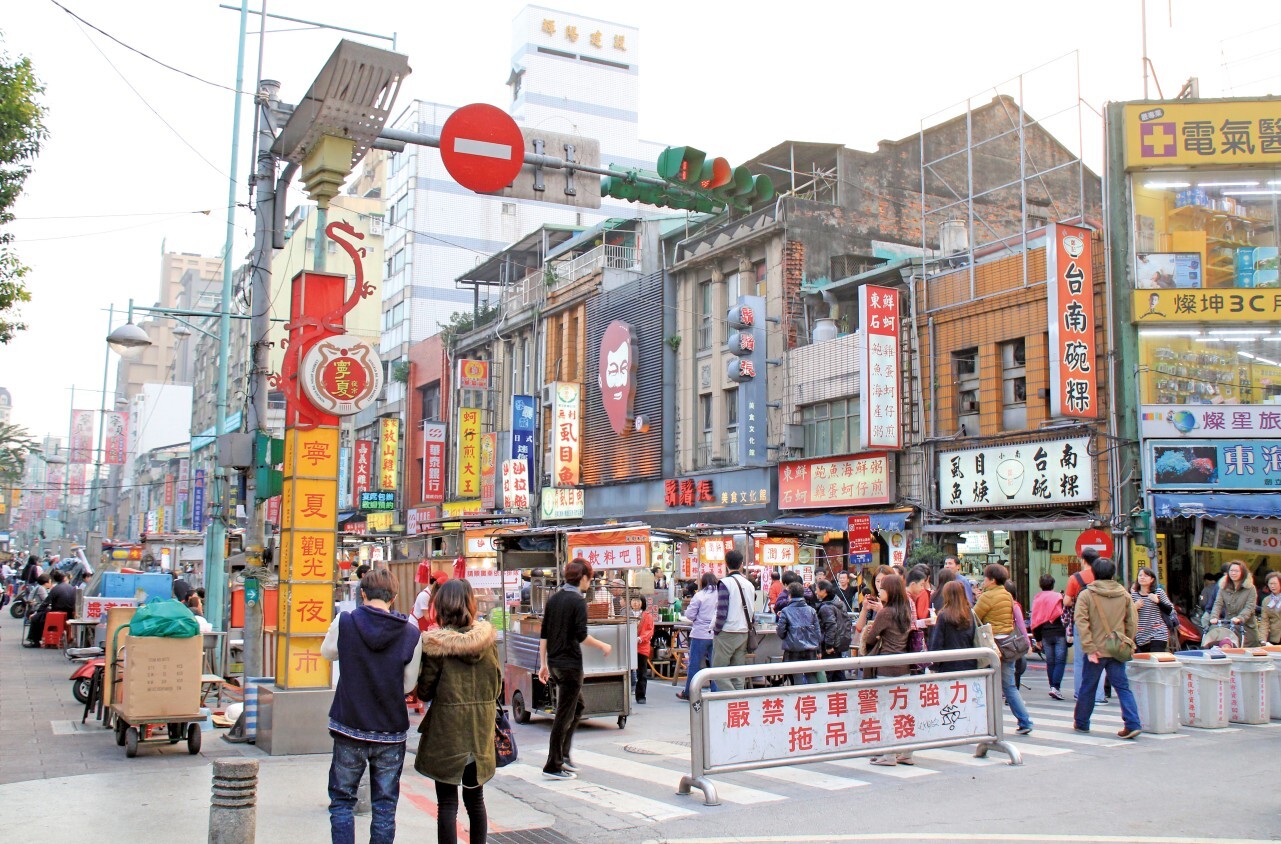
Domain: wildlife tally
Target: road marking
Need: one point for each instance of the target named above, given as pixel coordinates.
(956, 757)
(602, 797)
(1055, 722)
(1074, 738)
(483, 148)
(784, 773)
(961, 836)
(667, 778)
(1039, 749)
(903, 772)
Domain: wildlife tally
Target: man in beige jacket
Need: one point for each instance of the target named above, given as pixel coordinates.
(1106, 622)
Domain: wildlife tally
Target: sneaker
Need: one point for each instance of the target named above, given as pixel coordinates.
(1129, 734)
(1080, 729)
(1056, 694)
(1023, 731)
(560, 775)
(682, 696)
(885, 761)
(568, 765)
(640, 700)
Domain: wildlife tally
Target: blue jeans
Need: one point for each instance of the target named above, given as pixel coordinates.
(1078, 667)
(1055, 649)
(1012, 696)
(700, 656)
(1120, 684)
(385, 762)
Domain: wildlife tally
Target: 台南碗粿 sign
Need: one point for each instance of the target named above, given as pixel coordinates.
(1044, 473)
(1074, 380)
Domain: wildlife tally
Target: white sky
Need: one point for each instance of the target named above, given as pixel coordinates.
(733, 78)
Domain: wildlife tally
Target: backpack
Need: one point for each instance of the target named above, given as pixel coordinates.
(803, 630)
(1069, 613)
(844, 628)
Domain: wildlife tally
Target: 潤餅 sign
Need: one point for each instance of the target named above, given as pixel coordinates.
(1043, 473)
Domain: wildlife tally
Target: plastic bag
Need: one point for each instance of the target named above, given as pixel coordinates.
(169, 619)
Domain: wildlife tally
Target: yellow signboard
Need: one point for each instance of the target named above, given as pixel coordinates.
(310, 503)
(1156, 307)
(311, 453)
(1189, 134)
(468, 474)
(387, 445)
(308, 556)
(379, 521)
(299, 664)
(311, 608)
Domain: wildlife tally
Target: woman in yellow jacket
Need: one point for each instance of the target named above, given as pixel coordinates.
(996, 607)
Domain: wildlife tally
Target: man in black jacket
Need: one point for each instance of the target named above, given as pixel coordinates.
(62, 598)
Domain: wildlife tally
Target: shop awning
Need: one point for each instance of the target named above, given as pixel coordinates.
(889, 520)
(1168, 505)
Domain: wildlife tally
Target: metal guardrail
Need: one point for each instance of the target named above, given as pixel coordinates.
(744, 730)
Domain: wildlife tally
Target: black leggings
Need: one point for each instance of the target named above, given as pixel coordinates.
(447, 809)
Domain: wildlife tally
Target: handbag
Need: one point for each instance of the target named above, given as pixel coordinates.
(1171, 619)
(505, 751)
(1012, 645)
(983, 636)
(753, 637)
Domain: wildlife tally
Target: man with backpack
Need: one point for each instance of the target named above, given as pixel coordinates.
(835, 625)
(1106, 623)
(1076, 584)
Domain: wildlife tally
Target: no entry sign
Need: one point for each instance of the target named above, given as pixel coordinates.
(1100, 541)
(482, 147)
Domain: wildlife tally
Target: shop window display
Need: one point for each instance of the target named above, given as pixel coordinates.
(1231, 366)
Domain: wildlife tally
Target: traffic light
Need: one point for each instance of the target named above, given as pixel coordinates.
(696, 182)
(1141, 528)
(626, 186)
(269, 453)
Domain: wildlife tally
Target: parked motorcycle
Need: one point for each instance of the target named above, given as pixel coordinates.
(21, 604)
(82, 678)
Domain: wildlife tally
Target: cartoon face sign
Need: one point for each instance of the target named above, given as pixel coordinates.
(617, 375)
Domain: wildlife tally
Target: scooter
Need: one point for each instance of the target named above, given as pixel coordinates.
(82, 678)
(21, 601)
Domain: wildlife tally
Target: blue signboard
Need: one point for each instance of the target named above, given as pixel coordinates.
(344, 477)
(1214, 464)
(198, 502)
(524, 414)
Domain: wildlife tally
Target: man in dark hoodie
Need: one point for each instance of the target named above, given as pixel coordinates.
(378, 652)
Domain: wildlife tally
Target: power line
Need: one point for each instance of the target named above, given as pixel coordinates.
(147, 56)
(205, 211)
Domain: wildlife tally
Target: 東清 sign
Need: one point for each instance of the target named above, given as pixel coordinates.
(1043, 473)
(855, 481)
(1214, 464)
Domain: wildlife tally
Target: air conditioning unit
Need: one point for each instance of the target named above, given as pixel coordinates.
(549, 395)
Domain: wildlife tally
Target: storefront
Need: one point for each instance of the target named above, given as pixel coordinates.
(1202, 209)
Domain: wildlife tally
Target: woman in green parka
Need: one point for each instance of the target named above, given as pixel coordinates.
(460, 678)
(1237, 601)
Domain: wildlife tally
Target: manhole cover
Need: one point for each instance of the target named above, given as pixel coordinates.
(654, 748)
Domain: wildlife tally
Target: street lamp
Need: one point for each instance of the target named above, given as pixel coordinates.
(128, 341)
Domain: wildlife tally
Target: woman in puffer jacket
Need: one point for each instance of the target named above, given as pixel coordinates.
(1236, 602)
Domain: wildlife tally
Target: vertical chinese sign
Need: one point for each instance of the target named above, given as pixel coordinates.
(198, 501)
(116, 442)
(524, 410)
(859, 531)
(488, 469)
(388, 444)
(81, 450)
(1074, 381)
(515, 485)
(364, 468)
(433, 462)
(566, 428)
(747, 370)
(468, 470)
(879, 402)
(344, 477)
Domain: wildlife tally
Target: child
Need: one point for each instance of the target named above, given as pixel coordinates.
(644, 635)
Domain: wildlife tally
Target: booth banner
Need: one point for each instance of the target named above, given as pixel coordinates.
(364, 468)
(799, 723)
(712, 549)
(467, 479)
(879, 382)
(1074, 377)
(860, 538)
(515, 485)
(388, 448)
(1250, 536)
(562, 504)
(566, 429)
(855, 481)
(626, 548)
(1214, 464)
(116, 443)
(487, 578)
(379, 522)
(433, 462)
(488, 469)
(1210, 421)
(776, 552)
(417, 519)
(81, 450)
(1043, 473)
(96, 608)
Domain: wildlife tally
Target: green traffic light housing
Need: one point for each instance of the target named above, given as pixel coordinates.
(695, 182)
(269, 453)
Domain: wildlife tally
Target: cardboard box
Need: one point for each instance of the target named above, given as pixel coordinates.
(161, 677)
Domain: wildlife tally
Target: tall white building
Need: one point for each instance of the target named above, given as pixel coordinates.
(569, 74)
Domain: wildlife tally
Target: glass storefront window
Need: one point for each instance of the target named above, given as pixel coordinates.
(1210, 366)
(1206, 228)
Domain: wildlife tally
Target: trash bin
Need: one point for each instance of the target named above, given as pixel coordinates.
(1248, 695)
(1274, 681)
(1204, 680)
(1155, 677)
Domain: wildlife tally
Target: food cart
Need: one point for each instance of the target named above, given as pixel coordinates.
(607, 679)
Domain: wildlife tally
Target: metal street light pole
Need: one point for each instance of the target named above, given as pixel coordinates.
(102, 418)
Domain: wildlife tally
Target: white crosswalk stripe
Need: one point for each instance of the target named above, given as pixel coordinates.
(791, 773)
(957, 757)
(902, 772)
(656, 775)
(620, 802)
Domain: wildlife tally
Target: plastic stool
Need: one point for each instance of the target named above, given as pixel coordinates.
(55, 630)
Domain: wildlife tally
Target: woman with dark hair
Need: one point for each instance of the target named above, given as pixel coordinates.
(460, 678)
(942, 579)
(701, 614)
(995, 606)
(1270, 610)
(954, 629)
(888, 634)
(644, 643)
(1048, 628)
(1151, 602)
(1236, 602)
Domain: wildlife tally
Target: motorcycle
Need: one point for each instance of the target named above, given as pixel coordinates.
(82, 678)
(22, 600)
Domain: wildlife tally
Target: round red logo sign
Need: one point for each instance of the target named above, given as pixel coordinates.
(342, 375)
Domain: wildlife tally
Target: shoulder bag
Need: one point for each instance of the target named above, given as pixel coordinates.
(753, 638)
(983, 636)
(505, 751)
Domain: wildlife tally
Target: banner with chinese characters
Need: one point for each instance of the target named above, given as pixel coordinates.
(748, 369)
(1209, 421)
(488, 469)
(524, 415)
(364, 467)
(799, 723)
(467, 480)
(1226, 132)
(855, 481)
(566, 428)
(344, 478)
(776, 552)
(878, 399)
(1156, 307)
(1074, 377)
(115, 445)
(624, 548)
(559, 505)
(712, 549)
(859, 531)
(198, 501)
(1047, 473)
(473, 374)
(688, 492)
(388, 448)
(433, 462)
(1249, 536)
(1214, 464)
(81, 450)
(515, 485)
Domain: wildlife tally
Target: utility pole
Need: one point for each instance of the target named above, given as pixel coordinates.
(102, 419)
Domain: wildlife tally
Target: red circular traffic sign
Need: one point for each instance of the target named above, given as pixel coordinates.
(1099, 540)
(482, 147)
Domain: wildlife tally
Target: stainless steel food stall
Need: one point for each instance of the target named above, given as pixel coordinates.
(606, 679)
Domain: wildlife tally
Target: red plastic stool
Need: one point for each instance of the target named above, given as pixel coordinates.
(55, 630)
